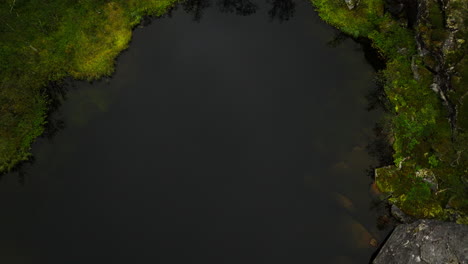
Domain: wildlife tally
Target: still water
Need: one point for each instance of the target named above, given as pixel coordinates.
(223, 137)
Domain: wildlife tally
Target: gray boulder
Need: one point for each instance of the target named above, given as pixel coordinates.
(426, 242)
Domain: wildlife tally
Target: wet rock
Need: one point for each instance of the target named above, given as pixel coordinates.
(436, 88)
(373, 242)
(400, 215)
(437, 28)
(352, 3)
(374, 190)
(384, 222)
(456, 16)
(360, 237)
(426, 241)
(455, 22)
(415, 69)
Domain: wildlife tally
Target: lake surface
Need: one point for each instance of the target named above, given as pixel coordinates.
(231, 139)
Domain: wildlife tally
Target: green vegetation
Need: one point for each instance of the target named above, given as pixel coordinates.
(43, 41)
(429, 178)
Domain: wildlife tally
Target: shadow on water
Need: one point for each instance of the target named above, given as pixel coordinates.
(239, 7)
(281, 10)
(379, 146)
(56, 94)
(376, 99)
(196, 8)
(372, 56)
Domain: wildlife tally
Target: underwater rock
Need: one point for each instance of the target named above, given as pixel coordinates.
(374, 190)
(344, 202)
(359, 236)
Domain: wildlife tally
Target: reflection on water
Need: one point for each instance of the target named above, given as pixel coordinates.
(281, 10)
(230, 140)
(239, 7)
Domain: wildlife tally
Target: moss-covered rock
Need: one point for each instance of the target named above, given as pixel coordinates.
(425, 81)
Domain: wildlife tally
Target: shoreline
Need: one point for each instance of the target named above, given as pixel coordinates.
(59, 45)
(424, 81)
(426, 133)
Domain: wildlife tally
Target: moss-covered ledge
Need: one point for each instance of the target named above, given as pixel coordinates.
(425, 80)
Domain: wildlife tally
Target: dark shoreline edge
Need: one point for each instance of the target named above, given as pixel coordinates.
(423, 46)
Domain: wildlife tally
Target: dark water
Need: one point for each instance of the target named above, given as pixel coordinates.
(235, 139)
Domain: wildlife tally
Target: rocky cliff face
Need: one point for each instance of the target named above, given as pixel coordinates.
(426, 242)
(440, 28)
(439, 66)
(440, 33)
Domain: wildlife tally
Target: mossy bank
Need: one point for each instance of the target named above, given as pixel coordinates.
(425, 80)
(45, 41)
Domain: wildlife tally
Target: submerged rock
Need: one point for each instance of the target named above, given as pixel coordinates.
(427, 242)
(374, 190)
(344, 202)
(359, 237)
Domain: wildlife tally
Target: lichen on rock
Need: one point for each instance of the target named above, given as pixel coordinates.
(425, 241)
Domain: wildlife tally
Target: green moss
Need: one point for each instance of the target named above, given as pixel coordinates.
(436, 17)
(43, 41)
(420, 128)
(363, 20)
(433, 161)
(433, 29)
(412, 194)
